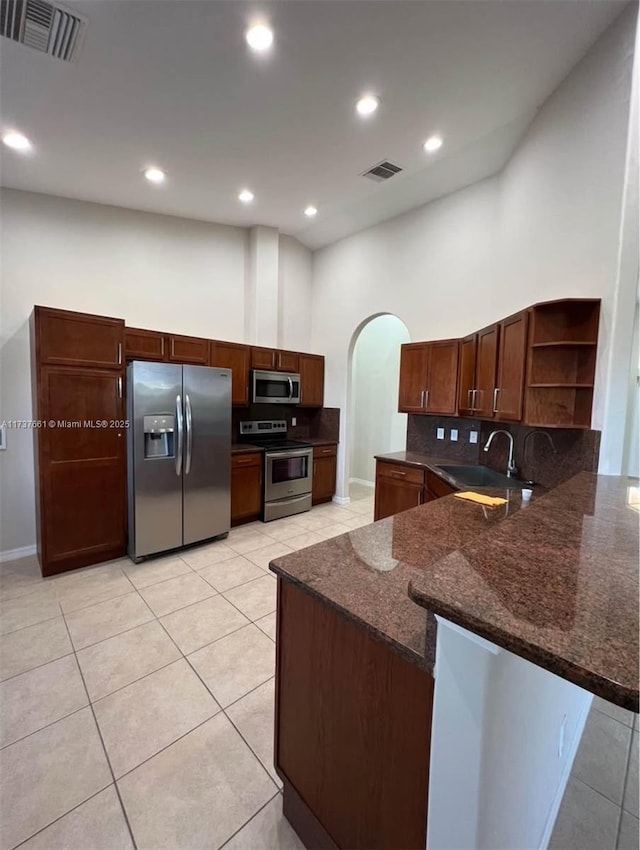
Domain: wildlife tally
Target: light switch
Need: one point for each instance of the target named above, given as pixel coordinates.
(440, 433)
(294, 421)
(473, 436)
(454, 435)
(3, 437)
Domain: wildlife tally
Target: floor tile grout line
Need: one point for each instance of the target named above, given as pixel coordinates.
(37, 623)
(36, 667)
(77, 806)
(117, 634)
(239, 731)
(254, 815)
(599, 793)
(624, 786)
(42, 728)
(611, 717)
(104, 747)
(100, 602)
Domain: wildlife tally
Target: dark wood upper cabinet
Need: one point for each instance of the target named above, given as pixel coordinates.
(274, 359)
(486, 366)
(140, 344)
(78, 339)
(188, 349)
(414, 364)
(467, 374)
(263, 358)
(232, 355)
(512, 355)
(311, 380)
(287, 361)
(429, 377)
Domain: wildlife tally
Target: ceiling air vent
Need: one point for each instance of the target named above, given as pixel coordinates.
(382, 171)
(47, 27)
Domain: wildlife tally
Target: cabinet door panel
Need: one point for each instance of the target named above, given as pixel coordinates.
(246, 487)
(144, 345)
(324, 478)
(511, 367)
(442, 378)
(392, 497)
(467, 374)
(311, 380)
(78, 339)
(414, 360)
(287, 361)
(230, 355)
(188, 349)
(486, 363)
(263, 358)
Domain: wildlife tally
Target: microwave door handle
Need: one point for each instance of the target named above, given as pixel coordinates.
(290, 387)
(179, 423)
(189, 429)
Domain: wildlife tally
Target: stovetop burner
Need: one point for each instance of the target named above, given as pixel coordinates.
(273, 445)
(270, 435)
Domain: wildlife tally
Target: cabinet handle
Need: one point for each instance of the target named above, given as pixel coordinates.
(495, 399)
(398, 474)
(426, 399)
(119, 353)
(422, 399)
(419, 498)
(469, 402)
(474, 406)
(161, 346)
(120, 388)
(279, 360)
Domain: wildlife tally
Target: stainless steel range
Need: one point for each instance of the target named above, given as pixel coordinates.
(288, 468)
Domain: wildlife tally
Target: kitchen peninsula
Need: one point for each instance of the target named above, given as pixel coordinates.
(387, 737)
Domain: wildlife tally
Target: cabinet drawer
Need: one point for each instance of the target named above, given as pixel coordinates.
(400, 472)
(253, 459)
(439, 487)
(324, 451)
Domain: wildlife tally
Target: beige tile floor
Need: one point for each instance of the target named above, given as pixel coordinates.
(115, 680)
(136, 701)
(599, 810)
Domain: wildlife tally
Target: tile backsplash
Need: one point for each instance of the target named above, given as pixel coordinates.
(537, 460)
(321, 423)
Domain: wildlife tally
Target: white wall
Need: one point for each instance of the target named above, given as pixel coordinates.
(153, 271)
(547, 227)
(294, 307)
(376, 424)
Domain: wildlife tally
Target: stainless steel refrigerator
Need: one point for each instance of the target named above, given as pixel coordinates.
(179, 455)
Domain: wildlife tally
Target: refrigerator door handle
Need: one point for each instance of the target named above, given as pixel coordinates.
(180, 424)
(189, 429)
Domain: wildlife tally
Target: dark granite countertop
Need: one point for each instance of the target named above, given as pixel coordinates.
(316, 441)
(245, 448)
(555, 582)
(365, 573)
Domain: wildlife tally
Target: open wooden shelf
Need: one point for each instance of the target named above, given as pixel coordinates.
(561, 363)
(562, 343)
(572, 386)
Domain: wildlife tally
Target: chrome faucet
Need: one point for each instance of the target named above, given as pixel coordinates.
(511, 467)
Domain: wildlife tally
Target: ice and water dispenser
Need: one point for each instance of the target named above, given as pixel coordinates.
(159, 435)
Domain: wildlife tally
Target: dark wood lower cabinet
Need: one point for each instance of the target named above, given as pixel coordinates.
(400, 487)
(352, 731)
(324, 474)
(246, 487)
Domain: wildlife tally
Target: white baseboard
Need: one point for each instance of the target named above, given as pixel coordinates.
(362, 481)
(564, 778)
(15, 554)
(341, 500)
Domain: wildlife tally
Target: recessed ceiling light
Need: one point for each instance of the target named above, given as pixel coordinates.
(311, 211)
(17, 141)
(433, 144)
(246, 196)
(259, 37)
(154, 174)
(367, 104)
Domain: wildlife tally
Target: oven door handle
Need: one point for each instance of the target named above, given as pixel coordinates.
(286, 455)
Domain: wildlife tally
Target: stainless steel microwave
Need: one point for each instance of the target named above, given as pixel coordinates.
(275, 387)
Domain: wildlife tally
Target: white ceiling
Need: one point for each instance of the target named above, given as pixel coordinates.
(171, 82)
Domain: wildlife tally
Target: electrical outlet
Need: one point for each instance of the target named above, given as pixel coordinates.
(473, 436)
(454, 435)
(561, 735)
(294, 421)
(440, 433)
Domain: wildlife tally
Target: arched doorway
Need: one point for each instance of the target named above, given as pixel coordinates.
(374, 424)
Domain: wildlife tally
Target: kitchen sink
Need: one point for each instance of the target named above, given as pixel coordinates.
(482, 476)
